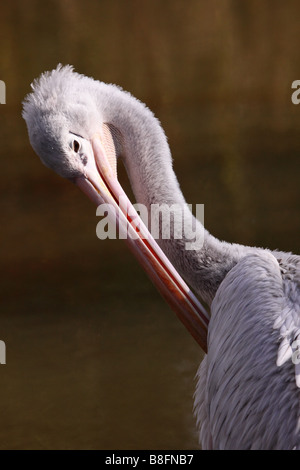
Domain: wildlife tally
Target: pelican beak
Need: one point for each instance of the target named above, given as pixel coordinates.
(101, 185)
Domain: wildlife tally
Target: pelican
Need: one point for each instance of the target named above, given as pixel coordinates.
(248, 385)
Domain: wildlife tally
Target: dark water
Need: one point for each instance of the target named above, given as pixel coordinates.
(95, 358)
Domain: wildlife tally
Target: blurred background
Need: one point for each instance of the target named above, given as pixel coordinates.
(95, 358)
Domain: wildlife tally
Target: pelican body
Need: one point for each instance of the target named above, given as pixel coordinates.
(248, 385)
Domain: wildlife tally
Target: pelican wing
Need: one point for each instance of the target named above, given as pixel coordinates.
(251, 397)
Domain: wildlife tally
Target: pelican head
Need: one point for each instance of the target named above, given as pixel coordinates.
(62, 118)
(70, 120)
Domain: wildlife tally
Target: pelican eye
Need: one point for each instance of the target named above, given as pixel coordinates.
(75, 142)
(76, 146)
